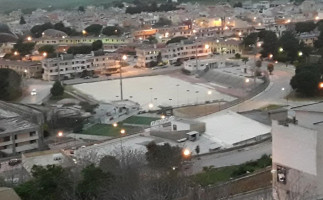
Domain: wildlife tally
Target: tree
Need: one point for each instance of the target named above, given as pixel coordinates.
(37, 30)
(23, 48)
(163, 22)
(245, 60)
(51, 183)
(96, 45)
(49, 49)
(176, 39)
(22, 20)
(258, 63)
(237, 55)
(57, 89)
(305, 82)
(152, 40)
(290, 45)
(270, 68)
(163, 156)
(81, 9)
(94, 29)
(84, 49)
(159, 57)
(112, 30)
(10, 84)
(238, 4)
(270, 43)
(251, 39)
(94, 182)
(302, 27)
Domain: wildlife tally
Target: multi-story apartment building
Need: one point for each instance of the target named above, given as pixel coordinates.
(171, 53)
(68, 41)
(298, 154)
(28, 69)
(20, 129)
(69, 66)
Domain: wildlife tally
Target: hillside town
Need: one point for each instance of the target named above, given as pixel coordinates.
(162, 100)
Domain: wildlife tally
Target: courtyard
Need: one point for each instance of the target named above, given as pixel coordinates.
(153, 91)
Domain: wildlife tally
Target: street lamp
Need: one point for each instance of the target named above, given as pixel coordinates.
(123, 131)
(84, 32)
(300, 53)
(115, 124)
(321, 85)
(247, 80)
(163, 117)
(270, 56)
(29, 38)
(150, 105)
(186, 153)
(281, 49)
(124, 57)
(16, 53)
(60, 134)
(209, 92)
(45, 54)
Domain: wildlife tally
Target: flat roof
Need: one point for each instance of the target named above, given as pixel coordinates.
(19, 62)
(229, 128)
(313, 107)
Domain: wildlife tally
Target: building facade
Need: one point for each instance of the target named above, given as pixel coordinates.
(20, 129)
(298, 154)
(172, 53)
(27, 69)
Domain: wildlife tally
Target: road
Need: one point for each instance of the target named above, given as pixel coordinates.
(42, 88)
(235, 157)
(262, 194)
(278, 89)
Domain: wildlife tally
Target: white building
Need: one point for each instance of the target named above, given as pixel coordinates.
(298, 154)
(203, 64)
(172, 53)
(69, 66)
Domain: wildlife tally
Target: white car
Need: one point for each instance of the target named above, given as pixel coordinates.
(33, 92)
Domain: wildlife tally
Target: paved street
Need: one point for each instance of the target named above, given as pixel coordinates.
(235, 157)
(42, 88)
(262, 194)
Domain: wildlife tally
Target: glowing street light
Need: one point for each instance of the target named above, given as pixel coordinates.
(207, 46)
(124, 57)
(321, 85)
(217, 41)
(163, 117)
(240, 33)
(259, 24)
(45, 54)
(209, 92)
(84, 32)
(29, 38)
(60, 134)
(122, 131)
(150, 105)
(317, 18)
(270, 56)
(186, 153)
(258, 44)
(276, 62)
(300, 54)
(247, 80)
(281, 49)
(283, 89)
(288, 21)
(115, 124)
(16, 53)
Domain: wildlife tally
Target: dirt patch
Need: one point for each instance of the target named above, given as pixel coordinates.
(196, 111)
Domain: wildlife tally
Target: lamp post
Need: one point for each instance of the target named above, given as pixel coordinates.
(206, 47)
(124, 57)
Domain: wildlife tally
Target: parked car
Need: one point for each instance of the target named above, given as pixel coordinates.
(87, 77)
(33, 92)
(95, 76)
(14, 162)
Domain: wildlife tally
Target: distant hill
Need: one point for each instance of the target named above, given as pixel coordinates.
(27, 5)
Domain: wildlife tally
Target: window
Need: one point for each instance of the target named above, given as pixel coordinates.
(32, 133)
(32, 141)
